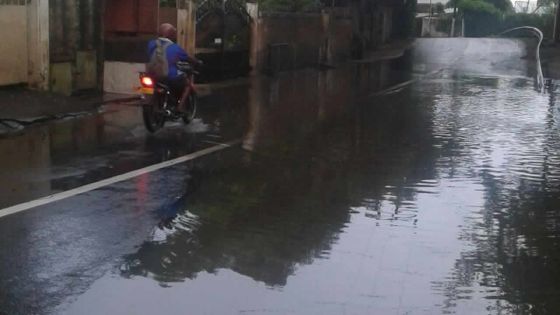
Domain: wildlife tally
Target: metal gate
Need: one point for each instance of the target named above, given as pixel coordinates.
(222, 38)
(13, 50)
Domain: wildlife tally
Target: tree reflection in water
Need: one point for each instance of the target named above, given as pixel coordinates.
(263, 213)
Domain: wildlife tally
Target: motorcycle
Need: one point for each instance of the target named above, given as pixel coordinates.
(163, 103)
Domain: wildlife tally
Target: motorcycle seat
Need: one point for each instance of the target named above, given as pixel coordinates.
(163, 85)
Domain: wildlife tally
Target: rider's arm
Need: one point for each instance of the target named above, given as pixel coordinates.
(183, 56)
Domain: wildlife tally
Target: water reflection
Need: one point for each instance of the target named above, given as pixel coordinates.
(439, 198)
(447, 191)
(229, 225)
(36, 164)
(506, 137)
(280, 115)
(23, 158)
(65, 154)
(315, 161)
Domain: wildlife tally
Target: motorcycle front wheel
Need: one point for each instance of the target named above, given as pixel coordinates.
(153, 113)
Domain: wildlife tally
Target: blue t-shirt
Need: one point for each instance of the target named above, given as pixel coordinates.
(174, 54)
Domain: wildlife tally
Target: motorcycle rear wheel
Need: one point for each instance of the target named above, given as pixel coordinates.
(153, 113)
(191, 106)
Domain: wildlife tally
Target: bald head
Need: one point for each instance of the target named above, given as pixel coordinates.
(168, 31)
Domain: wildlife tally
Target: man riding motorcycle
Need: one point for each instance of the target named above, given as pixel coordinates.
(164, 56)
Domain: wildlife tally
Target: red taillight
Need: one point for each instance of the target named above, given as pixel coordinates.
(147, 82)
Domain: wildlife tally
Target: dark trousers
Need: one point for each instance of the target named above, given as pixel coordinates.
(177, 85)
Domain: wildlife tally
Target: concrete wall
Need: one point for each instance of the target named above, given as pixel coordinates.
(74, 36)
(186, 25)
(167, 15)
(122, 77)
(440, 27)
(282, 41)
(340, 39)
(24, 54)
(387, 24)
(13, 51)
(290, 41)
(38, 44)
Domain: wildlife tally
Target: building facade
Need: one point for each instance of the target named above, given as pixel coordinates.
(24, 53)
(69, 46)
(64, 45)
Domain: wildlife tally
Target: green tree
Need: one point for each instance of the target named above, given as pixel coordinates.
(504, 6)
(289, 5)
(482, 17)
(478, 6)
(487, 17)
(474, 6)
(439, 8)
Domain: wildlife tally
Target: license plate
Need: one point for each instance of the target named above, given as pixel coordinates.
(146, 90)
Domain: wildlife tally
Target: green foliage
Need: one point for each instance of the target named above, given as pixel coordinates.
(477, 7)
(490, 17)
(503, 6)
(544, 22)
(439, 7)
(546, 6)
(168, 3)
(289, 5)
(481, 24)
(403, 25)
(443, 25)
(482, 6)
(481, 18)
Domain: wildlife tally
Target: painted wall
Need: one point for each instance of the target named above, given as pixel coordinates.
(13, 56)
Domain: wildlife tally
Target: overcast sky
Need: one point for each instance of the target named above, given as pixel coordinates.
(445, 1)
(433, 1)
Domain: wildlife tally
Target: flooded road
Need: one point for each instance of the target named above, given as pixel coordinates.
(346, 196)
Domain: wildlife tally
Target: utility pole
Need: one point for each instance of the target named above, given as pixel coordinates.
(556, 33)
(430, 9)
(453, 19)
(430, 20)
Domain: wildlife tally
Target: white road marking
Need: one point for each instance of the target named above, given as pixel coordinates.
(112, 180)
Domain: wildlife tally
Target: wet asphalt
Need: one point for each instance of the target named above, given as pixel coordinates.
(428, 184)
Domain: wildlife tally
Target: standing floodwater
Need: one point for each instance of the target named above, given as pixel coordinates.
(441, 196)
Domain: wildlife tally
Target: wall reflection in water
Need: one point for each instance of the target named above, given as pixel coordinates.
(23, 158)
(312, 154)
(61, 155)
(294, 105)
(30, 156)
(458, 176)
(507, 138)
